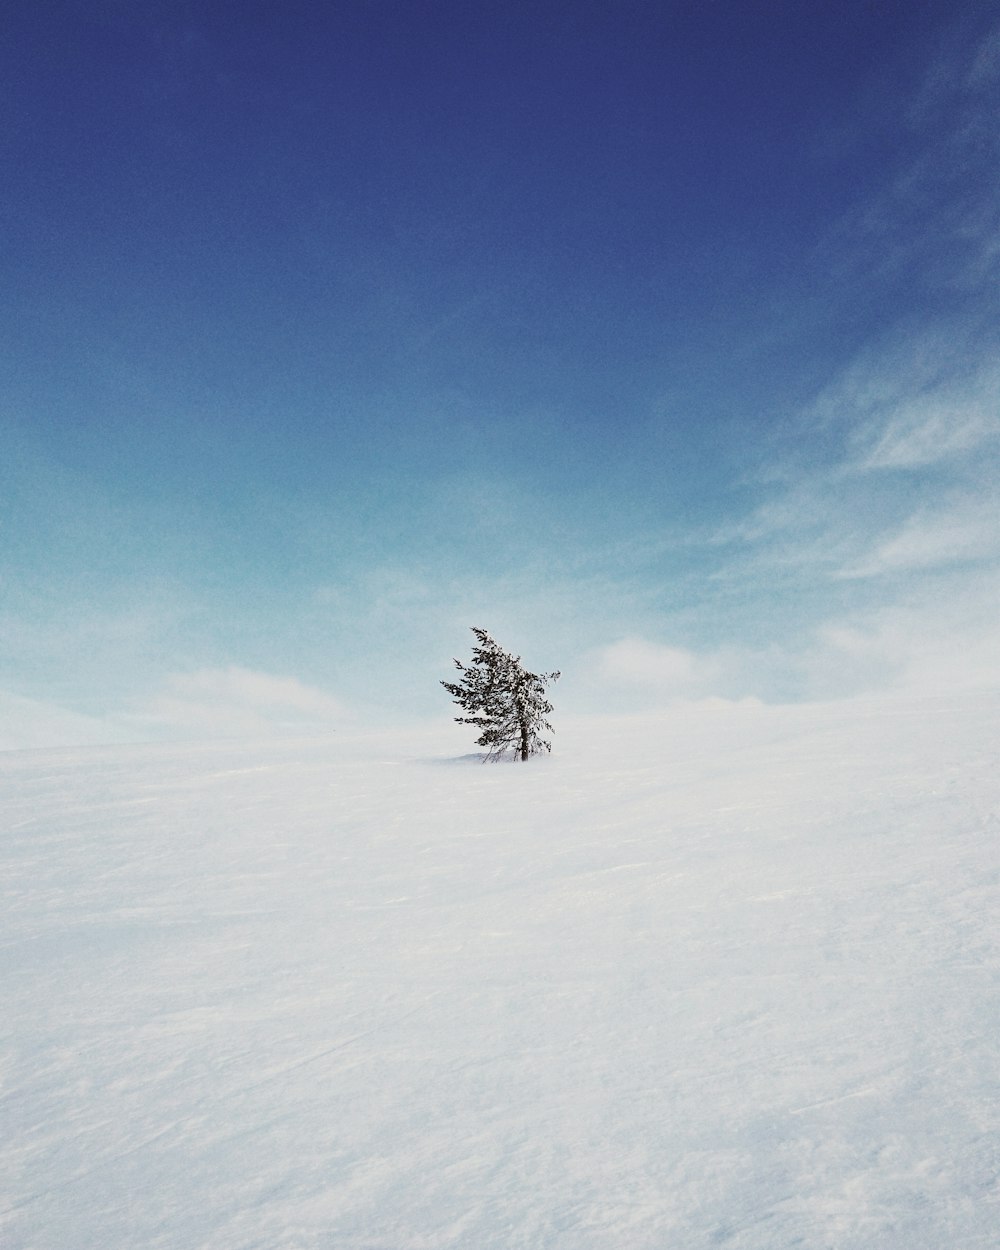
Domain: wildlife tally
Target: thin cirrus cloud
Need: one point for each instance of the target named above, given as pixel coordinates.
(929, 425)
(933, 429)
(889, 524)
(966, 534)
(934, 219)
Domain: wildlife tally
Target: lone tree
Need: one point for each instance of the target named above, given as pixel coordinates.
(503, 699)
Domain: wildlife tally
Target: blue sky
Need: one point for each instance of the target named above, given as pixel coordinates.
(659, 339)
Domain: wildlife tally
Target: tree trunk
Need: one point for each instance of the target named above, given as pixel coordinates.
(524, 740)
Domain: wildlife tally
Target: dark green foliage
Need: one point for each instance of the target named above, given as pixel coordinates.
(502, 699)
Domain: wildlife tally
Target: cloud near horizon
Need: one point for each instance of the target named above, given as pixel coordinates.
(202, 704)
(236, 702)
(34, 724)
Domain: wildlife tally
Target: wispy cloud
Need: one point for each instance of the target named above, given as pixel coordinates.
(905, 422)
(935, 221)
(877, 521)
(914, 396)
(914, 485)
(931, 429)
(966, 533)
(880, 538)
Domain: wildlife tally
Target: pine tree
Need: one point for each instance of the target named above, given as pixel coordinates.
(503, 699)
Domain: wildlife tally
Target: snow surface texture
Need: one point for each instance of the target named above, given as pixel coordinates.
(723, 977)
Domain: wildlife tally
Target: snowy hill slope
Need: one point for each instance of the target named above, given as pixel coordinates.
(722, 977)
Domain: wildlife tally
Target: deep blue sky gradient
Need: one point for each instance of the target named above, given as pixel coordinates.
(333, 329)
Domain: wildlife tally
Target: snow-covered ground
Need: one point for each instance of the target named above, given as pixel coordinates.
(720, 977)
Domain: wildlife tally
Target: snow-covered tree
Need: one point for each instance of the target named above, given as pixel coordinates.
(502, 699)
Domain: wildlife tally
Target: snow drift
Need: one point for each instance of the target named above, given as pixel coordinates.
(720, 977)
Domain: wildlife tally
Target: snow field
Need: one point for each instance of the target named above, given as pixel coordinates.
(725, 976)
